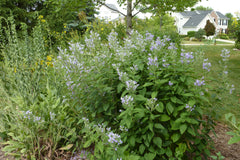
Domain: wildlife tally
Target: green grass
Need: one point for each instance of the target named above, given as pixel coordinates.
(231, 103)
(205, 42)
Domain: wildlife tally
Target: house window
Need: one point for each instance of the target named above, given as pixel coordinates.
(224, 22)
(219, 22)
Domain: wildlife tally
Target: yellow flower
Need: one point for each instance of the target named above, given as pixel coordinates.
(43, 20)
(65, 26)
(49, 64)
(101, 29)
(15, 70)
(49, 58)
(41, 62)
(40, 17)
(65, 32)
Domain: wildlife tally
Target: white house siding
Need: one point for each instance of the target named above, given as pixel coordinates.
(179, 21)
(201, 25)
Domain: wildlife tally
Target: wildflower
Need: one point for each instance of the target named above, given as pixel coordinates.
(170, 83)
(114, 138)
(152, 61)
(101, 29)
(225, 54)
(40, 17)
(231, 89)
(15, 70)
(49, 58)
(149, 36)
(43, 20)
(126, 100)
(191, 108)
(199, 82)
(206, 65)
(131, 85)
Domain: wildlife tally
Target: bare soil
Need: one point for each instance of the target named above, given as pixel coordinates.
(230, 152)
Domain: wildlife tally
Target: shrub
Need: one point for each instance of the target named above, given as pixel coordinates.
(144, 90)
(209, 28)
(223, 36)
(199, 34)
(191, 33)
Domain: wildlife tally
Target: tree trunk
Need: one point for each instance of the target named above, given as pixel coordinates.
(161, 21)
(129, 16)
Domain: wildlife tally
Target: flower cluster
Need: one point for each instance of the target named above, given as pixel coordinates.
(114, 138)
(199, 82)
(191, 108)
(187, 57)
(28, 115)
(127, 100)
(206, 65)
(225, 54)
(131, 85)
(152, 61)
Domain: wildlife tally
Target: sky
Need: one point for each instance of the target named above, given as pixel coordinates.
(223, 6)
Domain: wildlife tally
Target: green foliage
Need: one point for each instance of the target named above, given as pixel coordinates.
(202, 8)
(231, 119)
(209, 28)
(218, 156)
(199, 34)
(223, 36)
(156, 112)
(191, 33)
(35, 121)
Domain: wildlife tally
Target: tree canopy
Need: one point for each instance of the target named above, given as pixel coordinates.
(56, 12)
(202, 8)
(209, 28)
(154, 6)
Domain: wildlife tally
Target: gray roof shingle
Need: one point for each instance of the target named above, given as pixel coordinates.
(220, 15)
(194, 20)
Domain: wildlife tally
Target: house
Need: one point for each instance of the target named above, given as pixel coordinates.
(108, 14)
(194, 20)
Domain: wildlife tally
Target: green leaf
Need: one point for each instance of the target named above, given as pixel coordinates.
(191, 131)
(140, 98)
(132, 141)
(234, 139)
(119, 87)
(188, 95)
(142, 148)
(154, 94)
(87, 144)
(164, 118)
(157, 141)
(175, 137)
(67, 147)
(170, 108)
(148, 84)
(149, 156)
(160, 107)
(174, 99)
(158, 126)
(183, 128)
(105, 107)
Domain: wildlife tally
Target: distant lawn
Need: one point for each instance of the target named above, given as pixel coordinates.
(231, 103)
(205, 42)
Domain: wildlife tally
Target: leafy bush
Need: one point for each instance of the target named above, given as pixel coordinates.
(223, 36)
(144, 90)
(209, 28)
(236, 128)
(191, 33)
(199, 34)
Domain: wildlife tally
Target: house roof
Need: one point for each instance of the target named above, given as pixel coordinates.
(220, 15)
(195, 20)
(192, 13)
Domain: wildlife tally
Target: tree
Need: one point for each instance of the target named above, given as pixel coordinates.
(157, 7)
(23, 11)
(202, 8)
(209, 28)
(56, 12)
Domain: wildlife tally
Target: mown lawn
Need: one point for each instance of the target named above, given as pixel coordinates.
(231, 103)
